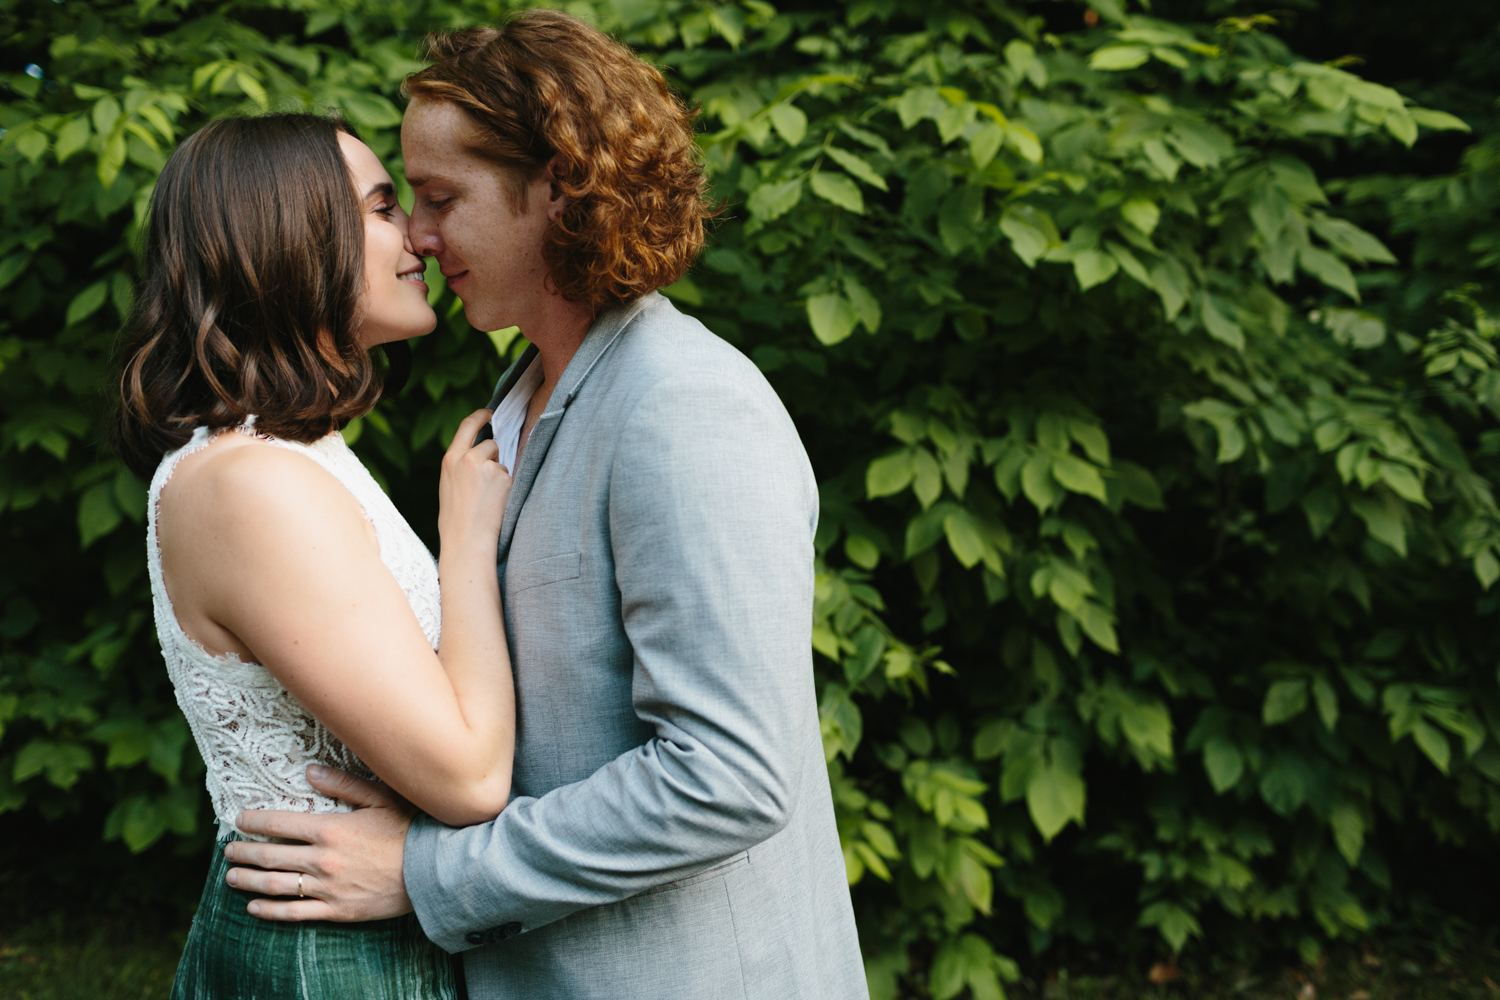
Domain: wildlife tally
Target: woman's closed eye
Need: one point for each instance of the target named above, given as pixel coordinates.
(387, 211)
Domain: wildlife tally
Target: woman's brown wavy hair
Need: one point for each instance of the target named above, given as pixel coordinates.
(253, 268)
(545, 84)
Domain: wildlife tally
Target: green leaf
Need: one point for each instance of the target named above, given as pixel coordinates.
(71, 138)
(1351, 241)
(1174, 923)
(858, 167)
(1032, 232)
(1439, 120)
(1037, 482)
(918, 103)
(684, 290)
(1024, 142)
(1223, 762)
(1219, 326)
(87, 302)
(1141, 213)
(1487, 568)
(889, 475)
(97, 513)
(1327, 700)
(1403, 481)
(1225, 421)
(1119, 57)
(1093, 267)
(1283, 785)
(1200, 144)
(1078, 476)
(13, 267)
(253, 90)
(1139, 486)
(370, 110)
(985, 142)
(771, 201)
(1384, 519)
(838, 189)
(865, 305)
(1098, 623)
(1171, 283)
(62, 762)
(1348, 831)
(1329, 270)
(832, 317)
(1432, 742)
(927, 480)
(1284, 700)
(861, 551)
(105, 113)
(112, 160)
(1355, 327)
(1054, 797)
(964, 537)
(959, 216)
(790, 122)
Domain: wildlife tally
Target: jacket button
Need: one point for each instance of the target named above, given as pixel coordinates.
(474, 937)
(509, 930)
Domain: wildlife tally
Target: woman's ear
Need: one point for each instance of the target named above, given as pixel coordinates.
(557, 202)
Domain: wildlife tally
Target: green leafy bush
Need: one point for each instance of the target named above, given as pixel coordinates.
(1158, 527)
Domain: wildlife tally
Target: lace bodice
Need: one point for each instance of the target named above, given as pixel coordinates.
(255, 738)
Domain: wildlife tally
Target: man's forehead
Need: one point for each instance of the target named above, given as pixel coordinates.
(431, 133)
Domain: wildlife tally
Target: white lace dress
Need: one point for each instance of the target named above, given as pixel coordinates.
(255, 738)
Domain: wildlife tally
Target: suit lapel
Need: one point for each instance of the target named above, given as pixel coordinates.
(512, 376)
(606, 329)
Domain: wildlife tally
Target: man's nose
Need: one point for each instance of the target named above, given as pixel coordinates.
(422, 236)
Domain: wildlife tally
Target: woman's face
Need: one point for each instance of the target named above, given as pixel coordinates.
(393, 302)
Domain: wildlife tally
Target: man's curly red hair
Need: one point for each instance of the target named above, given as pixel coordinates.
(545, 84)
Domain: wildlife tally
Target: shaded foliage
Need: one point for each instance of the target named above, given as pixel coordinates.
(1158, 529)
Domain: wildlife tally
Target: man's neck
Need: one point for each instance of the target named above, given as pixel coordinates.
(557, 339)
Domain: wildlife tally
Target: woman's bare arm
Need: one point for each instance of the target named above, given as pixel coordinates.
(264, 550)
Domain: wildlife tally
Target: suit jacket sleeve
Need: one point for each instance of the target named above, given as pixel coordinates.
(712, 507)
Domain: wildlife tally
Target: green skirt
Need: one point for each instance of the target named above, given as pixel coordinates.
(231, 955)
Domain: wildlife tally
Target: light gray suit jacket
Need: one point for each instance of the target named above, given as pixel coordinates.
(671, 831)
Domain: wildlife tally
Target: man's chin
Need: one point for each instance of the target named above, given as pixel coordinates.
(481, 317)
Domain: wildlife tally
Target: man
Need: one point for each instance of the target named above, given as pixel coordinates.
(671, 831)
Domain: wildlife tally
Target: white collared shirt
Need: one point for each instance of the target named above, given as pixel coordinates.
(510, 415)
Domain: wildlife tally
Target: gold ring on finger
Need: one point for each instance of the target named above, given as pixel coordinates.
(299, 886)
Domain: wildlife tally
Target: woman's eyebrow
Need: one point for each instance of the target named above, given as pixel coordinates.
(385, 189)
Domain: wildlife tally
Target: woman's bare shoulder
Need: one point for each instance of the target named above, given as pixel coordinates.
(240, 484)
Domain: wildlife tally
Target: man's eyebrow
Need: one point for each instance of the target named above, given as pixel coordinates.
(385, 188)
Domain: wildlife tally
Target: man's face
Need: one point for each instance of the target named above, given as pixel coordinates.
(490, 253)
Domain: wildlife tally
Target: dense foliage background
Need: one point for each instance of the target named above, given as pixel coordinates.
(1145, 363)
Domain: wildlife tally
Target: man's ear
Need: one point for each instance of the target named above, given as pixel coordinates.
(557, 202)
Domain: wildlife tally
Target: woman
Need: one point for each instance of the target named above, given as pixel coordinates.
(298, 613)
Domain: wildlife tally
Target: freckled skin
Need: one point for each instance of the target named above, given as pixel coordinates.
(490, 253)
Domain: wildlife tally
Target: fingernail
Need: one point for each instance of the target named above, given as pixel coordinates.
(255, 909)
(233, 877)
(317, 771)
(229, 852)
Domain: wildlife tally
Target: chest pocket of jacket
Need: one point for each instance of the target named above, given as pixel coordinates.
(540, 572)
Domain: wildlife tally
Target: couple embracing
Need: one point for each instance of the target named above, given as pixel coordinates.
(589, 762)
